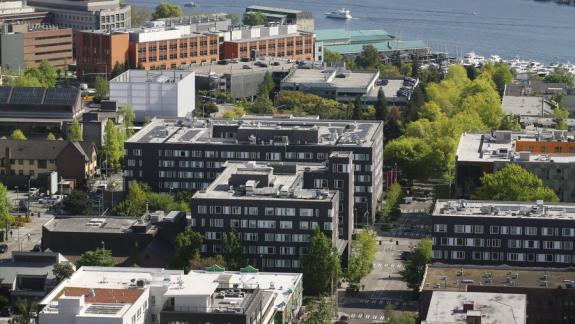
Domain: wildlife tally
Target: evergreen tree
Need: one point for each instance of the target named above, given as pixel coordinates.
(62, 271)
(415, 265)
(357, 108)
(381, 105)
(415, 67)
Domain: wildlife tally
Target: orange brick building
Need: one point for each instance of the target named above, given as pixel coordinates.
(545, 147)
(299, 46)
(97, 52)
(171, 53)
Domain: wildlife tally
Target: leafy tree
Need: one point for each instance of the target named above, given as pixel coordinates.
(416, 101)
(560, 115)
(186, 247)
(431, 111)
(25, 81)
(167, 10)
(267, 85)
(50, 137)
(429, 74)
(560, 75)
(97, 258)
(262, 105)
(331, 58)
(77, 203)
(412, 155)
(254, 19)
(113, 148)
(390, 207)
(500, 75)
(365, 247)
(395, 317)
(389, 71)
(513, 183)
(139, 15)
(237, 112)
(75, 132)
(18, 135)
(320, 312)
(414, 267)
(128, 117)
(234, 18)
(510, 122)
(381, 105)
(62, 271)
(234, 250)
(320, 266)
(393, 127)
(199, 263)
(102, 88)
(368, 58)
(135, 202)
(24, 310)
(357, 108)
(5, 217)
(299, 103)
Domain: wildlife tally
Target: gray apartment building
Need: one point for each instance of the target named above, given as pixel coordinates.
(86, 14)
(184, 154)
(512, 233)
(273, 213)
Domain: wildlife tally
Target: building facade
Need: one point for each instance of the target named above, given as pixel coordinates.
(19, 12)
(98, 52)
(86, 15)
(513, 233)
(26, 46)
(155, 93)
(298, 47)
(154, 295)
(163, 153)
(303, 19)
(549, 154)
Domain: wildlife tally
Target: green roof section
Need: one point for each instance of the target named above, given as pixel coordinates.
(215, 268)
(392, 45)
(273, 9)
(353, 36)
(248, 269)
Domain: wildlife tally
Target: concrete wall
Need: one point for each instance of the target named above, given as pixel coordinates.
(12, 51)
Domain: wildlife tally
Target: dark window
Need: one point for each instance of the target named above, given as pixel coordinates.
(42, 164)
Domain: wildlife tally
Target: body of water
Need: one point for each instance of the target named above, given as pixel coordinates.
(528, 29)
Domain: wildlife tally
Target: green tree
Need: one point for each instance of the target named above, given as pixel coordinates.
(267, 85)
(368, 58)
(186, 247)
(415, 67)
(118, 69)
(414, 267)
(234, 18)
(331, 58)
(320, 312)
(77, 203)
(5, 217)
(560, 75)
(389, 71)
(357, 108)
(24, 81)
(254, 19)
(416, 101)
(560, 115)
(97, 258)
(262, 105)
(113, 148)
(431, 111)
(510, 122)
(390, 207)
(320, 267)
(366, 248)
(237, 112)
(62, 271)
(139, 15)
(381, 105)
(50, 137)
(513, 183)
(167, 10)
(393, 127)
(234, 250)
(128, 117)
(395, 317)
(102, 88)
(412, 155)
(24, 309)
(429, 74)
(18, 135)
(75, 132)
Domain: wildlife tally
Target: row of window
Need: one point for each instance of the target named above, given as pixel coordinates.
(268, 237)
(512, 244)
(500, 256)
(262, 224)
(507, 230)
(254, 211)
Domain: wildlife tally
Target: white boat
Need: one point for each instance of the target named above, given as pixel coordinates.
(340, 14)
(190, 4)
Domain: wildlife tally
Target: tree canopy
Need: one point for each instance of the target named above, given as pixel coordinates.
(368, 58)
(5, 216)
(186, 248)
(43, 76)
(18, 135)
(167, 10)
(320, 267)
(77, 203)
(513, 183)
(414, 267)
(560, 75)
(331, 58)
(50, 137)
(75, 132)
(113, 147)
(233, 250)
(254, 19)
(134, 205)
(98, 258)
(364, 248)
(62, 270)
(102, 87)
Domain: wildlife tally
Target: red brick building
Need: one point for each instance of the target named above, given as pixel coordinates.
(97, 52)
(299, 46)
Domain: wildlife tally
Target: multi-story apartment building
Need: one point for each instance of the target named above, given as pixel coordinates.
(152, 295)
(143, 48)
(186, 154)
(270, 209)
(86, 15)
(274, 41)
(26, 46)
(548, 154)
(549, 291)
(513, 233)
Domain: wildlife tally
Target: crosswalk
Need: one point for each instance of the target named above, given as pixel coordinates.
(373, 317)
(415, 211)
(398, 266)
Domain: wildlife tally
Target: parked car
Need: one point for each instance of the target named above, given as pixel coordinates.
(3, 247)
(276, 63)
(246, 67)
(245, 59)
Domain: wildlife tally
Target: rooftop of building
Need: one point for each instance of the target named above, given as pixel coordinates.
(500, 146)
(526, 106)
(273, 9)
(330, 77)
(446, 277)
(449, 307)
(340, 133)
(97, 225)
(152, 76)
(514, 209)
(83, 5)
(352, 36)
(214, 69)
(14, 96)
(108, 286)
(391, 45)
(249, 180)
(42, 149)
(29, 264)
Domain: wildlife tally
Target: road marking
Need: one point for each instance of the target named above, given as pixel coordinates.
(360, 315)
(352, 315)
(382, 317)
(367, 316)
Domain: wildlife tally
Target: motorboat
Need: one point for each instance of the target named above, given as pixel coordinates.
(190, 4)
(339, 14)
